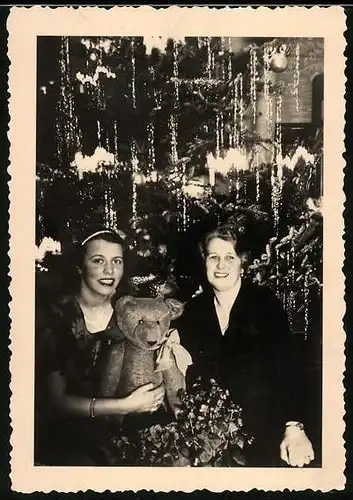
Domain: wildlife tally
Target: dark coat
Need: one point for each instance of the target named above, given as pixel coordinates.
(253, 359)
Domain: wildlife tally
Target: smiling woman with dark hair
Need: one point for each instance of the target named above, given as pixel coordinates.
(72, 345)
(238, 334)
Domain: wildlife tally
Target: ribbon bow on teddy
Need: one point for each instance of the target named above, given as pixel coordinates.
(171, 346)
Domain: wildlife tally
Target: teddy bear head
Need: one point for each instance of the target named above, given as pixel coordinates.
(145, 322)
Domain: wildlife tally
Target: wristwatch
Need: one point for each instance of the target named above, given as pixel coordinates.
(299, 425)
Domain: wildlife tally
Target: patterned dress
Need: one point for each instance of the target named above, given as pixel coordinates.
(64, 345)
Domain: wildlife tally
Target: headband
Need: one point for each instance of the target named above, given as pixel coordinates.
(121, 234)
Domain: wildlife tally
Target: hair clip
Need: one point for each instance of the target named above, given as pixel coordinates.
(120, 233)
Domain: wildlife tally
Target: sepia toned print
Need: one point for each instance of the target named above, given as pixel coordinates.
(184, 232)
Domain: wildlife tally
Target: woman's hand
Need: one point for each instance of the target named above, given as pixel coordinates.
(296, 448)
(145, 399)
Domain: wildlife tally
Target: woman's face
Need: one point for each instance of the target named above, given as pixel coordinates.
(103, 267)
(223, 265)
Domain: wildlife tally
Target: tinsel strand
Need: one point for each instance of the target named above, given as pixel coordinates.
(221, 131)
(134, 164)
(176, 72)
(151, 148)
(209, 58)
(235, 113)
(241, 105)
(174, 137)
(297, 76)
(184, 200)
(277, 270)
(67, 130)
(99, 133)
(223, 62)
(266, 88)
(217, 136)
(230, 72)
(133, 79)
(116, 148)
(306, 304)
(278, 141)
(253, 75)
(257, 173)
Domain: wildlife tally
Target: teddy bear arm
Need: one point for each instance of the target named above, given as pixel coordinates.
(112, 372)
(173, 381)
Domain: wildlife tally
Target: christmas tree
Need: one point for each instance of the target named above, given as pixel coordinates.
(163, 138)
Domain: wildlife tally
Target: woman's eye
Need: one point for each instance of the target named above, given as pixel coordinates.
(97, 261)
(117, 262)
(213, 257)
(230, 257)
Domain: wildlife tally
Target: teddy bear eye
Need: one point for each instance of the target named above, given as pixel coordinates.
(140, 321)
(157, 322)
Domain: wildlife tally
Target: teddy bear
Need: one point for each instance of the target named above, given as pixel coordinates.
(149, 352)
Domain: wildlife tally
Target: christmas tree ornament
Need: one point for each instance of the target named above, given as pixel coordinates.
(93, 56)
(278, 60)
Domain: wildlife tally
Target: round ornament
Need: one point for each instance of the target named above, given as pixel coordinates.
(93, 56)
(278, 61)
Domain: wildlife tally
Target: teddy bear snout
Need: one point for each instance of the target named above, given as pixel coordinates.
(151, 342)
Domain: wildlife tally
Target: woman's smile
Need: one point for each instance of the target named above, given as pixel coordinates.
(221, 275)
(107, 281)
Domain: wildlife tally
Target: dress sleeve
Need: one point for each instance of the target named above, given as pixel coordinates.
(53, 339)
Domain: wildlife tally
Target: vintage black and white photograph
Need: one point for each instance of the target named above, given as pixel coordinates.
(179, 257)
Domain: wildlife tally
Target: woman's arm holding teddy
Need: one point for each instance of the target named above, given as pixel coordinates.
(145, 399)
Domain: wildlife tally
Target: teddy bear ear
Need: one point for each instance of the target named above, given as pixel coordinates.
(123, 302)
(175, 307)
